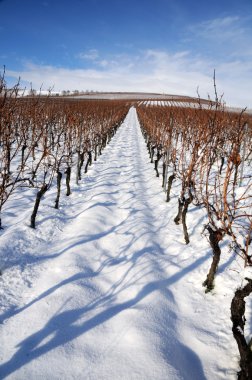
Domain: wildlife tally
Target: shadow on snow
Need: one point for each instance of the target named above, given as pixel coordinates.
(61, 328)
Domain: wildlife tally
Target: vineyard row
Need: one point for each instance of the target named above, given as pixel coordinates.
(41, 139)
(209, 153)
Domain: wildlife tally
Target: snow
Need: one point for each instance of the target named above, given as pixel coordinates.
(105, 287)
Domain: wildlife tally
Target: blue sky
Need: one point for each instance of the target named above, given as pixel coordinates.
(164, 46)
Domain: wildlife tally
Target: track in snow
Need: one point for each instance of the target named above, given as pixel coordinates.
(104, 306)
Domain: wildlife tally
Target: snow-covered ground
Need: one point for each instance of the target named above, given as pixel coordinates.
(105, 287)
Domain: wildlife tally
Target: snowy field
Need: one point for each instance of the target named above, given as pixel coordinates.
(105, 287)
(126, 95)
(156, 99)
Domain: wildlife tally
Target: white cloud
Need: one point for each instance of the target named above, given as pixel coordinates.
(219, 29)
(218, 24)
(230, 36)
(150, 71)
(91, 54)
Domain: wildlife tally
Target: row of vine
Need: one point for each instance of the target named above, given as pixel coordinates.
(209, 153)
(44, 138)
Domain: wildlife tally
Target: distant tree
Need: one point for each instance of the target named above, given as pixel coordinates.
(32, 92)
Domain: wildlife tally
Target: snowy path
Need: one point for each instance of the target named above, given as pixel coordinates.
(106, 304)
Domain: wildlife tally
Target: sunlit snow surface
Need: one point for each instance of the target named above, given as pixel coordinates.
(105, 287)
